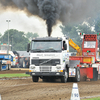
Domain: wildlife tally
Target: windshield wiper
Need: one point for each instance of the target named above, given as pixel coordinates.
(37, 50)
(47, 50)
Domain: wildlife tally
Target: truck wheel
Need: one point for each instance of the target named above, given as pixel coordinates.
(44, 80)
(64, 78)
(77, 77)
(0, 65)
(35, 78)
(0, 68)
(52, 79)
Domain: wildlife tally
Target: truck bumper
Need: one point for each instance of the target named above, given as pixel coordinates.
(46, 73)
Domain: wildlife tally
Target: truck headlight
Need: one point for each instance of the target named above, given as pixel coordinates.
(33, 67)
(58, 66)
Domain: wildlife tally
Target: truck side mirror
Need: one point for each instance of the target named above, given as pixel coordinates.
(28, 47)
(65, 46)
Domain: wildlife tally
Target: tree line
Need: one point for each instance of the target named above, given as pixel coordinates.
(88, 26)
(17, 39)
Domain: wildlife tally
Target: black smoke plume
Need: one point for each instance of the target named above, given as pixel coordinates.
(49, 10)
(66, 11)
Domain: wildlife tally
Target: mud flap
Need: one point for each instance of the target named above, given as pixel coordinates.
(0, 66)
(99, 76)
(95, 75)
(73, 64)
(89, 73)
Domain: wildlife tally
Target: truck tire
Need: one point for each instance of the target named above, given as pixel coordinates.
(64, 78)
(0, 68)
(77, 77)
(35, 78)
(44, 80)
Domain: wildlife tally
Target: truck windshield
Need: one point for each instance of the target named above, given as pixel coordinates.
(89, 44)
(46, 46)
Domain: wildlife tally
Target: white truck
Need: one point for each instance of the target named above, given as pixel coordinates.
(49, 60)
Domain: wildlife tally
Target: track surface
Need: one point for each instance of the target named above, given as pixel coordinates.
(25, 89)
(13, 71)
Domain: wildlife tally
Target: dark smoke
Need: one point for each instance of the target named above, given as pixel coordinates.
(66, 11)
(49, 10)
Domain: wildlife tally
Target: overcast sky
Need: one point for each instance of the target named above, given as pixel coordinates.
(21, 22)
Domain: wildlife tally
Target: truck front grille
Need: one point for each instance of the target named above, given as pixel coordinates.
(45, 62)
(45, 69)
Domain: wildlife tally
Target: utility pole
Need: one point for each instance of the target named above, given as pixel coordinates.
(8, 36)
(12, 43)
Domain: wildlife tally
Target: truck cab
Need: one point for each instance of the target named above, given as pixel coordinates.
(6, 59)
(90, 45)
(49, 58)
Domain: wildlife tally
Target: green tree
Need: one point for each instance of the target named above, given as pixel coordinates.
(30, 35)
(71, 32)
(17, 39)
(97, 23)
(85, 29)
(97, 26)
(0, 37)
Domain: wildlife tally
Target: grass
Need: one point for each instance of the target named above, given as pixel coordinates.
(98, 98)
(14, 75)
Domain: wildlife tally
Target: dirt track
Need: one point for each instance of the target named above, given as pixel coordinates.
(13, 71)
(25, 89)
